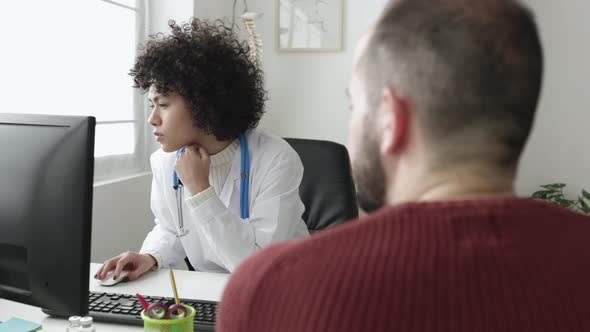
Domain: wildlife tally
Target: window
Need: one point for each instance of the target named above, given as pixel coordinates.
(73, 57)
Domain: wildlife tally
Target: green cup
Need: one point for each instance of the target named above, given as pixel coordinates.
(184, 324)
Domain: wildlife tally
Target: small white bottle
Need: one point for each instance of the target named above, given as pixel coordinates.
(86, 324)
(74, 323)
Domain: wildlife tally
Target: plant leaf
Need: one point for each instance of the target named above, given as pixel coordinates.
(554, 186)
(583, 205)
(542, 194)
(586, 194)
(565, 202)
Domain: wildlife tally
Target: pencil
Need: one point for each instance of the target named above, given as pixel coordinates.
(176, 300)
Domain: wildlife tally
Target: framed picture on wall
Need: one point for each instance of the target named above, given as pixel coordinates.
(308, 25)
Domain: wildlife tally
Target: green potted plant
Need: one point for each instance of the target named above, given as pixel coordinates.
(554, 193)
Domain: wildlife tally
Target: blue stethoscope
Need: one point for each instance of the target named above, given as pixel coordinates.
(244, 187)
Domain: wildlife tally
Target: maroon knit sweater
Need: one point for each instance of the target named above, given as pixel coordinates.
(496, 265)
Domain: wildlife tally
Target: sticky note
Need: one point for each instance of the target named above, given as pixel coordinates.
(19, 325)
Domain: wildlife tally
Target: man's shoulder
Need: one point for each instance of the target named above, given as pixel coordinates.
(292, 270)
(254, 272)
(298, 256)
(267, 259)
(374, 234)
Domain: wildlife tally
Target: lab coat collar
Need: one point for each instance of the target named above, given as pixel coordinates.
(234, 174)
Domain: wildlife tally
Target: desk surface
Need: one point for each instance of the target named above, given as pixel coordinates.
(194, 285)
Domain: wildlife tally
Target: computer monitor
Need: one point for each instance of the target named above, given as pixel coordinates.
(46, 178)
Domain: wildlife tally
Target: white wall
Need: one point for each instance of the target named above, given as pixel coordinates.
(559, 147)
(307, 90)
(160, 12)
(121, 217)
(213, 9)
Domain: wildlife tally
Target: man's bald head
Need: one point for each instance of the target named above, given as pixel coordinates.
(471, 70)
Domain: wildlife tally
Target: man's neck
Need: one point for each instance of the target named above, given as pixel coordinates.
(459, 184)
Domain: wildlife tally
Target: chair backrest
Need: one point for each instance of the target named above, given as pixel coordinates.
(327, 188)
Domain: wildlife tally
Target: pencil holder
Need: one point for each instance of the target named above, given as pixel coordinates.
(184, 324)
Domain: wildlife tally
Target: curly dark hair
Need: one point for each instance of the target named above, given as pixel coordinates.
(206, 64)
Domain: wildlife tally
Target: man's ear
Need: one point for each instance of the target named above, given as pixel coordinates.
(393, 122)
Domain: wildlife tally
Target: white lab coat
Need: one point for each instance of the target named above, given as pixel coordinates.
(218, 239)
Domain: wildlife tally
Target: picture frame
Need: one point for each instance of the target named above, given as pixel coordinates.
(309, 25)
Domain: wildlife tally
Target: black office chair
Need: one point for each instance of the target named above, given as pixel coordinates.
(327, 188)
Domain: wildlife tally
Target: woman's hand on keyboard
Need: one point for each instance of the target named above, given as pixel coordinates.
(136, 264)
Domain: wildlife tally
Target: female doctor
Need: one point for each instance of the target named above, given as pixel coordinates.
(221, 189)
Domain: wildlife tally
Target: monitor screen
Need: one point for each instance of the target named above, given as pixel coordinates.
(46, 178)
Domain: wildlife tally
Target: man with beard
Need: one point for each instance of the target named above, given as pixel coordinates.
(443, 98)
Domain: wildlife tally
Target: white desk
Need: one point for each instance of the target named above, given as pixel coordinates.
(194, 285)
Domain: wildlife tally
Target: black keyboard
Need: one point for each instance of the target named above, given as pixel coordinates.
(125, 309)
